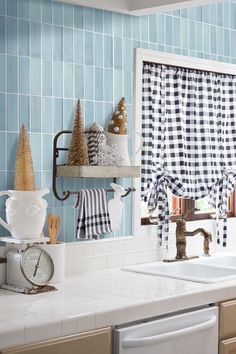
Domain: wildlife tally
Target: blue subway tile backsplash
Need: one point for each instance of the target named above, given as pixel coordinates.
(52, 53)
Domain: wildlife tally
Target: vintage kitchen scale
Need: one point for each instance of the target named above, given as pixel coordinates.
(29, 267)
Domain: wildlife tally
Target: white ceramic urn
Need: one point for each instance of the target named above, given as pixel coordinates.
(25, 213)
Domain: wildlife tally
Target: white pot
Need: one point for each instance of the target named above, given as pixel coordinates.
(120, 142)
(57, 252)
(25, 213)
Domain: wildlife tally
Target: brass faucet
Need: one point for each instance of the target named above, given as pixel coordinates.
(182, 233)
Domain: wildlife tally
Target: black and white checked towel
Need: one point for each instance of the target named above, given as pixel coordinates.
(93, 217)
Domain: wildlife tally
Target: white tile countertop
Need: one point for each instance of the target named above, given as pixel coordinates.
(97, 299)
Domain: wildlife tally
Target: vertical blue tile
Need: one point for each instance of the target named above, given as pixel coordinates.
(68, 114)
(117, 24)
(184, 34)
(2, 73)
(3, 183)
(89, 112)
(57, 13)
(233, 15)
(88, 18)
(205, 14)
(70, 224)
(46, 41)
(68, 80)
(206, 39)
(192, 13)
(226, 42)
(57, 43)
(127, 54)
(68, 45)
(46, 115)
(192, 40)
(78, 17)
(99, 84)
(108, 110)
(35, 114)
(12, 74)
(144, 28)
(212, 14)
(12, 139)
(46, 78)
(108, 52)
(99, 114)
(79, 81)
(3, 112)
(184, 13)
(12, 112)
(78, 47)
(24, 9)
(35, 76)
(199, 41)
(226, 14)
(47, 151)
(118, 85)
(98, 50)
(35, 10)
(35, 142)
(24, 75)
(176, 32)
(127, 79)
(160, 29)
(24, 38)
(199, 14)
(98, 21)
(12, 9)
(2, 7)
(88, 38)
(35, 39)
(108, 85)
(12, 36)
(233, 44)
(24, 110)
(2, 35)
(57, 84)
(57, 121)
(117, 53)
(127, 26)
(219, 11)
(89, 83)
(213, 39)
(152, 28)
(46, 11)
(135, 27)
(68, 17)
(220, 40)
(108, 22)
(169, 30)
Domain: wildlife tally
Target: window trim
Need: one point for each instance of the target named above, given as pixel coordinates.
(145, 55)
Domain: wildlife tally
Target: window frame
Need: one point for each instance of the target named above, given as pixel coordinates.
(145, 55)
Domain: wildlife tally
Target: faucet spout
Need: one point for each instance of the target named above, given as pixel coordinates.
(182, 233)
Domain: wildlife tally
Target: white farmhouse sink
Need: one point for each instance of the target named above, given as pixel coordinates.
(220, 260)
(187, 270)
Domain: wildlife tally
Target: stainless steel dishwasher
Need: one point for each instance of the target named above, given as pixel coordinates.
(194, 332)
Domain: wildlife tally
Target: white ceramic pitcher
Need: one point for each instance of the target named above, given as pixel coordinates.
(25, 213)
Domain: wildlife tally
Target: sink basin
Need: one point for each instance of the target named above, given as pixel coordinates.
(196, 272)
(219, 260)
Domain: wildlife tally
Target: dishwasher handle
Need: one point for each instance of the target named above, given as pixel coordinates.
(145, 341)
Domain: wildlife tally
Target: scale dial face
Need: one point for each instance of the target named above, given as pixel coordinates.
(37, 266)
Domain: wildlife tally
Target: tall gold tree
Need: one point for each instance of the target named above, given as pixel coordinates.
(24, 172)
(78, 153)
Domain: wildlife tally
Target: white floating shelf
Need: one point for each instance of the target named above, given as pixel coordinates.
(98, 171)
(24, 241)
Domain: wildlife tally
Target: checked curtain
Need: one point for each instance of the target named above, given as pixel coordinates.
(189, 139)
